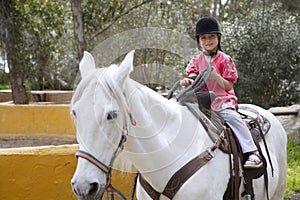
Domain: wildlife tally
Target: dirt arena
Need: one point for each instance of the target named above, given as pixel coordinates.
(12, 143)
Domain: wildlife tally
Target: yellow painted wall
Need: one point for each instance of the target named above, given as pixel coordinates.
(51, 121)
(44, 173)
(41, 173)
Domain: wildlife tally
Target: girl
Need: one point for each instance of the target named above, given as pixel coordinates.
(222, 78)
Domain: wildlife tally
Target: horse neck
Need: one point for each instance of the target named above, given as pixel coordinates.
(166, 134)
(151, 110)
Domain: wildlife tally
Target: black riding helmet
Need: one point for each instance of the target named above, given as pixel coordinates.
(206, 25)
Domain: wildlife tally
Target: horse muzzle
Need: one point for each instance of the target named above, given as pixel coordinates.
(85, 190)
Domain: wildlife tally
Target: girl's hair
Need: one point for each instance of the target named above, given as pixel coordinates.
(219, 43)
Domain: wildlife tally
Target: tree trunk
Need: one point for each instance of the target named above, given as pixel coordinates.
(78, 28)
(13, 46)
(18, 89)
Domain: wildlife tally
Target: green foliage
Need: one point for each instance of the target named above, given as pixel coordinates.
(97, 13)
(261, 38)
(293, 171)
(47, 39)
(265, 45)
(4, 86)
(4, 80)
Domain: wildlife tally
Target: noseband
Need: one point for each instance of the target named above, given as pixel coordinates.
(103, 167)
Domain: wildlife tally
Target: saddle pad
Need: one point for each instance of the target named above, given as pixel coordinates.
(253, 119)
(211, 122)
(215, 124)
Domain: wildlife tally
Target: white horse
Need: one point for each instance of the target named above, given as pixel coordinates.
(166, 136)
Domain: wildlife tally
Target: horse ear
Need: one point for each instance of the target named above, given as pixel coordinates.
(125, 68)
(87, 64)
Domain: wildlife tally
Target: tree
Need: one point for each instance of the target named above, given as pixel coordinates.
(79, 35)
(36, 45)
(98, 17)
(45, 33)
(11, 27)
(48, 40)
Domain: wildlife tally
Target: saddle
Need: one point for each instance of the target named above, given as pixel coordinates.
(258, 125)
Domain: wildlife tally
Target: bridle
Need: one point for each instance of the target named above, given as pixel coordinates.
(108, 168)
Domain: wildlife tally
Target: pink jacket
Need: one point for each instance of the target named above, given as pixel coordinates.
(224, 65)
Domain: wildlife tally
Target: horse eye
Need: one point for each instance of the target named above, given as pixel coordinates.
(73, 113)
(112, 115)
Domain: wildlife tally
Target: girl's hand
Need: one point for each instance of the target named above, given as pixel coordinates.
(186, 81)
(227, 85)
(214, 75)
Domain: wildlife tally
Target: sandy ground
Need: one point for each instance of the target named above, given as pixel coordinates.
(11, 143)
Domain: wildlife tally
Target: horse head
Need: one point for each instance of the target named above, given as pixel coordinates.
(101, 124)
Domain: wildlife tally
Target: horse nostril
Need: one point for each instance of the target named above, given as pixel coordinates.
(74, 188)
(93, 188)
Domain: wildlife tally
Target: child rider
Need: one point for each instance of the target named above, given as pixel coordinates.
(222, 78)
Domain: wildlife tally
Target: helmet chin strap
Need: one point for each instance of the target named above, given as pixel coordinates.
(210, 53)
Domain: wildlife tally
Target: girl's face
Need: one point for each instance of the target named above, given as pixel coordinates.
(209, 42)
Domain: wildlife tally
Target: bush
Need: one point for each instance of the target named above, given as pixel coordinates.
(266, 49)
(4, 80)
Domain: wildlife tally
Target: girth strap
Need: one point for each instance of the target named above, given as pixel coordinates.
(179, 178)
(185, 173)
(149, 189)
(236, 176)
